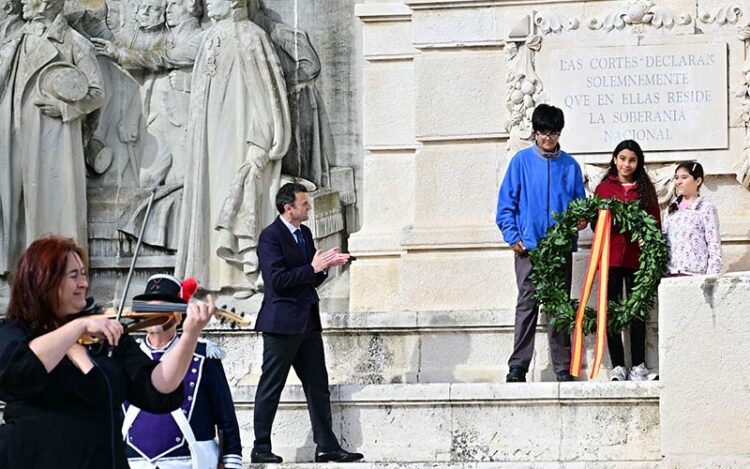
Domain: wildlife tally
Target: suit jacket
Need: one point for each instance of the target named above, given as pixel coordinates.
(290, 300)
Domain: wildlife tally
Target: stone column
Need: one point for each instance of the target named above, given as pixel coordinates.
(434, 114)
(390, 146)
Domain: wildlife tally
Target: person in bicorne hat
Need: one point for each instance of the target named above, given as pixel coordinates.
(185, 438)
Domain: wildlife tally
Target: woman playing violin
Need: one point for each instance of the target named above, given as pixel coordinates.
(63, 401)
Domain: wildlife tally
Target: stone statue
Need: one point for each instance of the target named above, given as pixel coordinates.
(239, 129)
(170, 102)
(168, 124)
(137, 48)
(52, 84)
(312, 141)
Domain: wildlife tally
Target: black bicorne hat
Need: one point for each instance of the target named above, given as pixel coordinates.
(162, 287)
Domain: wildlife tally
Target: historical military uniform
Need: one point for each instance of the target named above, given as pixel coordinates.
(185, 438)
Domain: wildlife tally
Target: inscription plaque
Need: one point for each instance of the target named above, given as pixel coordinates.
(666, 97)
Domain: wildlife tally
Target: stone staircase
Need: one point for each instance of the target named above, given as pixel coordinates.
(461, 424)
(426, 390)
(408, 347)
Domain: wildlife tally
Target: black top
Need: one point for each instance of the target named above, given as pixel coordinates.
(67, 419)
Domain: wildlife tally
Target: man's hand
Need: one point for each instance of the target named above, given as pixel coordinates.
(258, 157)
(519, 248)
(329, 258)
(106, 48)
(48, 108)
(339, 258)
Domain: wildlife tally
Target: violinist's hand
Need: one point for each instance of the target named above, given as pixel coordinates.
(110, 329)
(198, 315)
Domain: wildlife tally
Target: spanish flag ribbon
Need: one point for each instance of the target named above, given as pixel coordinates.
(599, 260)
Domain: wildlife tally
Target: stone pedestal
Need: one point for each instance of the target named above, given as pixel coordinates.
(705, 385)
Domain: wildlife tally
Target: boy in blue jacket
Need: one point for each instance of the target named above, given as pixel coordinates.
(540, 181)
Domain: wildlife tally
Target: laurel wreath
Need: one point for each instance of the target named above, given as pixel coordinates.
(548, 261)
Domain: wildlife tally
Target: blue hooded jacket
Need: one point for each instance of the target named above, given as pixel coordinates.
(535, 187)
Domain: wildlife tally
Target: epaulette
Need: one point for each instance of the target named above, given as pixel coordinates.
(212, 349)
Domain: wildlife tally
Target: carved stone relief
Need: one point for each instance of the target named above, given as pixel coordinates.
(211, 106)
(638, 15)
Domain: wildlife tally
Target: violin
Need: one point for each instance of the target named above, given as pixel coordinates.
(142, 315)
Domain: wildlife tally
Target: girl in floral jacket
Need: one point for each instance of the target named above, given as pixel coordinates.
(692, 226)
(627, 181)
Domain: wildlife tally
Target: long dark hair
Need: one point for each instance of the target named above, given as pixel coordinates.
(696, 171)
(646, 192)
(41, 270)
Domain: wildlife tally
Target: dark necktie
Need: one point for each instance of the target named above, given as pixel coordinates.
(301, 242)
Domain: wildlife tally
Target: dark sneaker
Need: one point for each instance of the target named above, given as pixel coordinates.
(516, 375)
(563, 376)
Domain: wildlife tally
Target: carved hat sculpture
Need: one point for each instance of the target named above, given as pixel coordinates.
(63, 81)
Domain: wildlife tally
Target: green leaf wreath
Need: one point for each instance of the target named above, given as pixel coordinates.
(548, 262)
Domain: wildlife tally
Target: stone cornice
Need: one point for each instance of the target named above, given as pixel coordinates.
(379, 12)
(453, 4)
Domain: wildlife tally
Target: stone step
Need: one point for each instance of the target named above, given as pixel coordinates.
(523, 425)
(410, 347)
(465, 465)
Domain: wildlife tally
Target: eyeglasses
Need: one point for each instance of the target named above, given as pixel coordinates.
(548, 134)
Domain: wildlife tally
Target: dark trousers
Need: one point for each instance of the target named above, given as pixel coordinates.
(619, 277)
(527, 314)
(305, 353)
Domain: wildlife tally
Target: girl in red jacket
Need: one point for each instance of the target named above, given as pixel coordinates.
(627, 180)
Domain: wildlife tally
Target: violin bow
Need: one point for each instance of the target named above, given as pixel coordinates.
(121, 307)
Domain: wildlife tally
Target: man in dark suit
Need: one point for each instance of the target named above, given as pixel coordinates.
(290, 322)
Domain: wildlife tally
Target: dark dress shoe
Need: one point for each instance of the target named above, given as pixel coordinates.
(516, 375)
(563, 376)
(340, 455)
(265, 457)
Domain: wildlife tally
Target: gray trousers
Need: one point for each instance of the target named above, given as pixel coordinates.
(527, 313)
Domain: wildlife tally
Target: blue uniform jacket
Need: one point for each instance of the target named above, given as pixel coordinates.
(534, 188)
(208, 405)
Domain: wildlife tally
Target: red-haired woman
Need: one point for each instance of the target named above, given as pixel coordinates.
(63, 402)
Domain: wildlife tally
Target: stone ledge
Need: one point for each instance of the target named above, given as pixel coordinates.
(469, 393)
(482, 425)
(451, 4)
(465, 465)
(144, 262)
(372, 12)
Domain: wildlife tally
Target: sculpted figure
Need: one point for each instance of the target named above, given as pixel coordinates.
(170, 101)
(312, 142)
(125, 119)
(238, 132)
(167, 124)
(53, 83)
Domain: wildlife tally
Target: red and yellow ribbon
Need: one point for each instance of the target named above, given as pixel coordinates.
(599, 260)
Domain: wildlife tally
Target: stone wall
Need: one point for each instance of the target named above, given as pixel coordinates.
(442, 119)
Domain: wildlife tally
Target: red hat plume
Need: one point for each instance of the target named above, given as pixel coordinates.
(188, 287)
